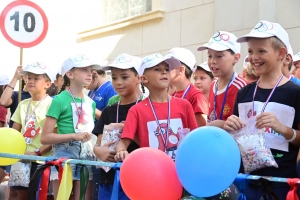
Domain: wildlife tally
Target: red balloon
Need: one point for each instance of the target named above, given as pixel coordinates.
(149, 174)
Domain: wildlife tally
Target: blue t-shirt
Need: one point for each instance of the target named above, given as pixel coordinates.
(102, 95)
(295, 80)
(14, 105)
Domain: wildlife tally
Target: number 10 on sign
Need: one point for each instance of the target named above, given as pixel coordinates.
(23, 23)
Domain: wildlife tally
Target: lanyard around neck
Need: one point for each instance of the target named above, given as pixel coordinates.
(164, 136)
(224, 99)
(33, 110)
(185, 92)
(269, 97)
(78, 111)
(137, 100)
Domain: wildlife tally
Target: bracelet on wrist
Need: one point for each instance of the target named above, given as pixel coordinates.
(294, 136)
(10, 87)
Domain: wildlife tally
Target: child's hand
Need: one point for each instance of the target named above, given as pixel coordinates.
(233, 123)
(104, 153)
(17, 75)
(267, 119)
(121, 155)
(83, 137)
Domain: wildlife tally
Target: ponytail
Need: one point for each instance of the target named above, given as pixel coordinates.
(66, 84)
(143, 88)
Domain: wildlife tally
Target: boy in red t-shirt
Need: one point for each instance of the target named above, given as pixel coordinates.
(223, 53)
(181, 79)
(155, 121)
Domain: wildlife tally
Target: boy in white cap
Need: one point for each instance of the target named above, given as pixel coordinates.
(287, 65)
(223, 53)
(296, 62)
(156, 121)
(272, 104)
(125, 80)
(202, 78)
(30, 116)
(181, 79)
(9, 97)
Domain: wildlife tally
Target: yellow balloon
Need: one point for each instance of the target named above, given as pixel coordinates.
(11, 141)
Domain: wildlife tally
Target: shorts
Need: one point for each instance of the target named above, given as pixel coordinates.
(33, 168)
(6, 169)
(69, 150)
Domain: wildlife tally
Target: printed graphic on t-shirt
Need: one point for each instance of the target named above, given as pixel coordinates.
(98, 98)
(285, 114)
(158, 137)
(31, 130)
(85, 122)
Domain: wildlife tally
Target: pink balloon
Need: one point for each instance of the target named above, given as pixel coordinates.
(149, 174)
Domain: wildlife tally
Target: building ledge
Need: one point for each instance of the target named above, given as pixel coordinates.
(92, 33)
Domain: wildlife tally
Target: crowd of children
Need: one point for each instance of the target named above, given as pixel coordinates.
(266, 93)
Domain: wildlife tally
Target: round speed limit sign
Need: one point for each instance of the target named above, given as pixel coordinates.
(23, 23)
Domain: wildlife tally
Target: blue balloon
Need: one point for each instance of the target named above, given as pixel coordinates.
(207, 161)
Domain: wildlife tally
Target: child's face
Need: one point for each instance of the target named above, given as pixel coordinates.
(221, 62)
(202, 81)
(81, 76)
(296, 71)
(59, 82)
(37, 83)
(262, 55)
(158, 76)
(124, 81)
(94, 83)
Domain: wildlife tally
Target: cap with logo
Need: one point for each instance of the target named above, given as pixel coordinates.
(157, 58)
(78, 61)
(38, 68)
(125, 61)
(222, 41)
(266, 29)
(183, 55)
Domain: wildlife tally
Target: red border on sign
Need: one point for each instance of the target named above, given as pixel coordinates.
(22, 44)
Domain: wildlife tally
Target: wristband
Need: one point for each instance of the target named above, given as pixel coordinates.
(10, 87)
(293, 138)
(121, 150)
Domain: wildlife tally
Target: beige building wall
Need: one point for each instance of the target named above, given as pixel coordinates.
(188, 24)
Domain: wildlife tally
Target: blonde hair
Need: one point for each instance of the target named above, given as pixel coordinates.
(250, 72)
(276, 43)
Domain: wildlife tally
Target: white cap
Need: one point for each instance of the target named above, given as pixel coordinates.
(245, 62)
(4, 80)
(78, 61)
(155, 59)
(38, 68)
(183, 55)
(203, 66)
(222, 41)
(265, 29)
(296, 57)
(125, 61)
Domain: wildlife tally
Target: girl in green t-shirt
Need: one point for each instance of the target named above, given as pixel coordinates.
(73, 113)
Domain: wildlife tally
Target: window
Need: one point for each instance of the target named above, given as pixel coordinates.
(114, 10)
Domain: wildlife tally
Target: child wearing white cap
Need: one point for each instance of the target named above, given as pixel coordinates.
(271, 103)
(202, 78)
(180, 78)
(9, 97)
(29, 117)
(287, 65)
(223, 53)
(159, 114)
(296, 62)
(125, 80)
(74, 114)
